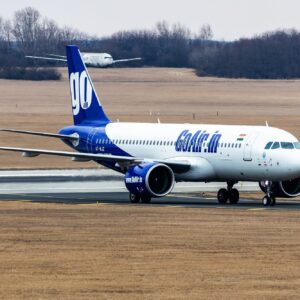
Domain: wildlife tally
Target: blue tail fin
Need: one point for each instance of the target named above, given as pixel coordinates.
(85, 104)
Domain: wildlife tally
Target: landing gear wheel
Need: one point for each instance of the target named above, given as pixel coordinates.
(146, 199)
(223, 196)
(266, 201)
(269, 201)
(234, 196)
(273, 201)
(134, 198)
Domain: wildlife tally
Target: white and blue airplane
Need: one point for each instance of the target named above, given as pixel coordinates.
(97, 60)
(153, 157)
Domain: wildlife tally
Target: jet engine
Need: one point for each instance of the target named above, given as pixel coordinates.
(285, 189)
(150, 179)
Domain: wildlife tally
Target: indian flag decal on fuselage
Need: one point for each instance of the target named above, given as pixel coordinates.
(241, 137)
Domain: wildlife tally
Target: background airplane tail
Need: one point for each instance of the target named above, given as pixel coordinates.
(86, 106)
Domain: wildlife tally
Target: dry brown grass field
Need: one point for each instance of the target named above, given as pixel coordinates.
(122, 251)
(98, 251)
(175, 95)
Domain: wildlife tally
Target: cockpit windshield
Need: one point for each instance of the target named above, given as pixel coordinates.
(276, 145)
(282, 145)
(268, 146)
(287, 145)
(297, 145)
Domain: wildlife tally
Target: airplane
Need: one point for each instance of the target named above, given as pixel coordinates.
(98, 60)
(154, 156)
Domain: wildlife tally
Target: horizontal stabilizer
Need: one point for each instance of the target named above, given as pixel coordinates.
(54, 135)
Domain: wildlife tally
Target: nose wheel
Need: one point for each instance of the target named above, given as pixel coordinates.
(229, 195)
(268, 199)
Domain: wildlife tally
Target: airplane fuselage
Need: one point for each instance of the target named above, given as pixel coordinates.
(216, 152)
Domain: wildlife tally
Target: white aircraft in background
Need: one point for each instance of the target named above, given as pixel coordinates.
(98, 60)
(153, 157)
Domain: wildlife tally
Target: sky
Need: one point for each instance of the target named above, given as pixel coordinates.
(229, 19)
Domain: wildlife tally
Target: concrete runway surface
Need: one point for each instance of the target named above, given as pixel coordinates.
(106, 186)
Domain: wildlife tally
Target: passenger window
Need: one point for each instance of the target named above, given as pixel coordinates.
(276, 145)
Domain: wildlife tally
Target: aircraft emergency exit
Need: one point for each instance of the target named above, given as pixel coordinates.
(153, 157)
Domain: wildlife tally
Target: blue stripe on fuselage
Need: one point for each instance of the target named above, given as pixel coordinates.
(92, 140)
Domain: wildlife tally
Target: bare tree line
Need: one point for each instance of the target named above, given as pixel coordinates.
(270, 55)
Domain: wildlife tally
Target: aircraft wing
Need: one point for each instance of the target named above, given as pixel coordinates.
(127, 59)
(56, 55)
(178, 165)
(47, 58)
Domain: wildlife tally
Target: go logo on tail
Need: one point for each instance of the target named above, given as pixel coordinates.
(81, 91)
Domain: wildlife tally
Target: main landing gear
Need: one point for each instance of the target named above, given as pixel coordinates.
(268, 199)
(229, 194)
(135, 198)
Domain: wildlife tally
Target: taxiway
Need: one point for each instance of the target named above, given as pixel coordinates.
(107, 187)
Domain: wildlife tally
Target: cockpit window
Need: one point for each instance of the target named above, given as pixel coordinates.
(297, 145)
(268, 146)
(287, 145)
(276, 145)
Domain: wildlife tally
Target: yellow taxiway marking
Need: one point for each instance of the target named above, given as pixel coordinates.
(258, 208)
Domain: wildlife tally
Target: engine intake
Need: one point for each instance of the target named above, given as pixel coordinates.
(150, 179)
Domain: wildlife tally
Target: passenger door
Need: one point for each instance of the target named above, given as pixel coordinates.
(248, 147)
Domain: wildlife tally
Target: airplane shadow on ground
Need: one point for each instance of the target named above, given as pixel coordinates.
(121, 198)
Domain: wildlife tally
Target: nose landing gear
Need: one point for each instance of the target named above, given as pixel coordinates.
(229, 194)
(269, 199)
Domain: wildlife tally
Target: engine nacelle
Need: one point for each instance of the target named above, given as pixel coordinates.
(285, 189)
(150, 179)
